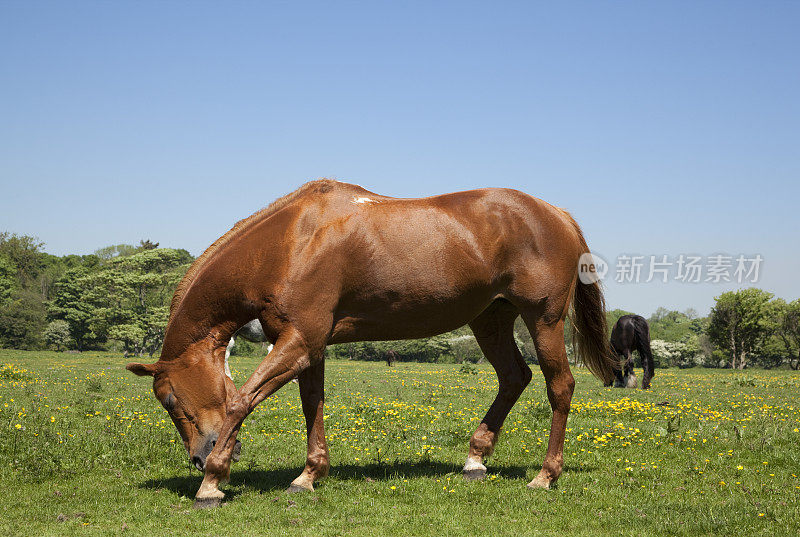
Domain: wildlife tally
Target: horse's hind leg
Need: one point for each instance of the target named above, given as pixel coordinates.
(312, 382)
(630, 375)
(619, 372)
(552, 354)
(647, 363)
(494, 331)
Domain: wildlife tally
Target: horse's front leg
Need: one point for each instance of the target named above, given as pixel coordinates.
(288, 358)
(312, 390)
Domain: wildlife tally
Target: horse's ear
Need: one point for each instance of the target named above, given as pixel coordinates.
(141, 369)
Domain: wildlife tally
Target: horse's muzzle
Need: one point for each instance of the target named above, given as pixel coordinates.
(199, 459)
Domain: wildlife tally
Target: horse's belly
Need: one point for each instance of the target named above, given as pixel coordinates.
(407, 318)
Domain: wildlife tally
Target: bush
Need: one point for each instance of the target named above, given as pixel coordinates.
(57, 335)
(466, 349)
(432, 349)
(243, 347)
(673, 354)
(468, 368)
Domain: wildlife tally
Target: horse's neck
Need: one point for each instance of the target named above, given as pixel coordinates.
(222, 297)
(209, 321)
(187, 333)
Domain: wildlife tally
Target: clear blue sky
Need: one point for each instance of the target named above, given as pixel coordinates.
(665, 128)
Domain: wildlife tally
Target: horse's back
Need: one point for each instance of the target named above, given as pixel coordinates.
(490, 234)
(628, 333)
(495, 224)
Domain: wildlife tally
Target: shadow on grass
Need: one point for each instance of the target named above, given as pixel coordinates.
(277, 480)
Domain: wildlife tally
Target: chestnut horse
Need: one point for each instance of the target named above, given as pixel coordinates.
(334, 263)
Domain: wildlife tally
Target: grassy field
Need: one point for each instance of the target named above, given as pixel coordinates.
(86, 449)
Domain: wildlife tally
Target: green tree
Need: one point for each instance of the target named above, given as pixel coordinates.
(22, 321)
(70, 304)
(126, 299)
(785, 323)
(8, 280)
(131, 335)
(137, 290)
(739, 324)
(24, 253)
(115, 250)
(675, 326)
(21, 302)
(88, 262)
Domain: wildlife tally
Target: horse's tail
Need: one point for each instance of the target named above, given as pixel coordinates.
(589, 329)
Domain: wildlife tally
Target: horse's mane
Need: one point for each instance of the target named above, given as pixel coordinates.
(320, 185)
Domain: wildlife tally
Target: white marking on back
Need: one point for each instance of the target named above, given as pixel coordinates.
(363, 200)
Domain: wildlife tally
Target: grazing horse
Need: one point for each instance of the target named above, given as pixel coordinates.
(334, 263)
(631, 333)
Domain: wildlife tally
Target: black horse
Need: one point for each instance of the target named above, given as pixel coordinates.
(631, 333)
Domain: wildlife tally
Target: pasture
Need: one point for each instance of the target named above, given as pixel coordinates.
(85, 449)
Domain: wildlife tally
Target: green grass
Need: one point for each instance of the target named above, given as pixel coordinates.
(86, 449)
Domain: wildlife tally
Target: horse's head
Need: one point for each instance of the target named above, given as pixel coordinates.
(195, 393)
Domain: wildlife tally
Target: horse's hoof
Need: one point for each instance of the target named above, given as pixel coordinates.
(540, 483)
(298, 488)
(476, 474)
(207, 503)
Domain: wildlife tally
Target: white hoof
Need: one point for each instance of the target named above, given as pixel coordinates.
(473, 470)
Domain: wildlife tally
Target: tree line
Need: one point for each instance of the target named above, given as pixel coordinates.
(118, 299)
